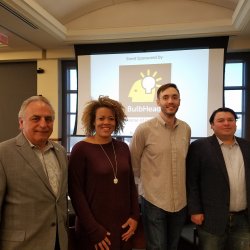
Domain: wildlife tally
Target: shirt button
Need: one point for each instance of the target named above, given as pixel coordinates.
(53, 224)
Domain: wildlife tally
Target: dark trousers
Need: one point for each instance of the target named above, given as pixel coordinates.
(236, 236)
(162, 229)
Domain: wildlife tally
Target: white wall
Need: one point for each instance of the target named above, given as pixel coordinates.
(49, 85)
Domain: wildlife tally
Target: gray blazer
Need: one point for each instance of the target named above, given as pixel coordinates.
(30, 212)
(208, 183)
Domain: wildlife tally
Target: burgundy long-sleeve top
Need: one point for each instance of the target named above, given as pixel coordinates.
(100, 205)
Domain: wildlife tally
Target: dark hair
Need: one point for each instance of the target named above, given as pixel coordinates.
(166, 86)
(223, 109)
(89, 114)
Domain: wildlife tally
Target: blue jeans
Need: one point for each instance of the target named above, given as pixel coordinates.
(236, 236)
(162, 229)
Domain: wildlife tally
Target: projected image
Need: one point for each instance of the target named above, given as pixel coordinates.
(143, 81)
(138, 86)
(133, 79)
(144, 89)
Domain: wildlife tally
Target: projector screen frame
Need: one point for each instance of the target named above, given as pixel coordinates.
(151, 46)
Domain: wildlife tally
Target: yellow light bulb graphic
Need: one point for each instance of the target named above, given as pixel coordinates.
(143, 90)
(148, 83)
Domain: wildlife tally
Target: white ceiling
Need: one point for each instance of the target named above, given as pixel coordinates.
(50, 24)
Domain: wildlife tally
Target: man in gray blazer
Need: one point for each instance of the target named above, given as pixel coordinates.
(33, 183)
(218, 181)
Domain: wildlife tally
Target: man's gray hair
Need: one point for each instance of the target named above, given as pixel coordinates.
(35, 98)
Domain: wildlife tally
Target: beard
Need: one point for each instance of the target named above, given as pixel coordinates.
(169, 113)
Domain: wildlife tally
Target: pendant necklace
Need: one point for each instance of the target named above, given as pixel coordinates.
(112, 166)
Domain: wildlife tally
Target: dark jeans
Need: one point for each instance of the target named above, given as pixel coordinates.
(236, 236)
(162, 229)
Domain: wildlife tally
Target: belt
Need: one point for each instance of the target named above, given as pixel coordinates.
(241, 212)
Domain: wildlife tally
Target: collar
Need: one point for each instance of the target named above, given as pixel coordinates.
(222, 143)
(160, 119)
(48, 146)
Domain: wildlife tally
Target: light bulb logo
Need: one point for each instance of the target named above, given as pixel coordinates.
(144, 89)
(148, 83)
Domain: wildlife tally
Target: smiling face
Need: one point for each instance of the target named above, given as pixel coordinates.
(224, 125)
(169, 101)
(37, 123)
(104, 122)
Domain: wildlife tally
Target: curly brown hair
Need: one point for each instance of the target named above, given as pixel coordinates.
(89, 114)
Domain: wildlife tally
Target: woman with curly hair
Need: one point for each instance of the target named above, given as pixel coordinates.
(101, 181)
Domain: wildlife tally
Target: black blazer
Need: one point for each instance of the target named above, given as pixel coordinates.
(208, 184)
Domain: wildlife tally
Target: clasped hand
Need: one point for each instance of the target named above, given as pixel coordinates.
(105, 243)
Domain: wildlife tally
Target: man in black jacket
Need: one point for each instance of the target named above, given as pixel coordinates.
(218, 184)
